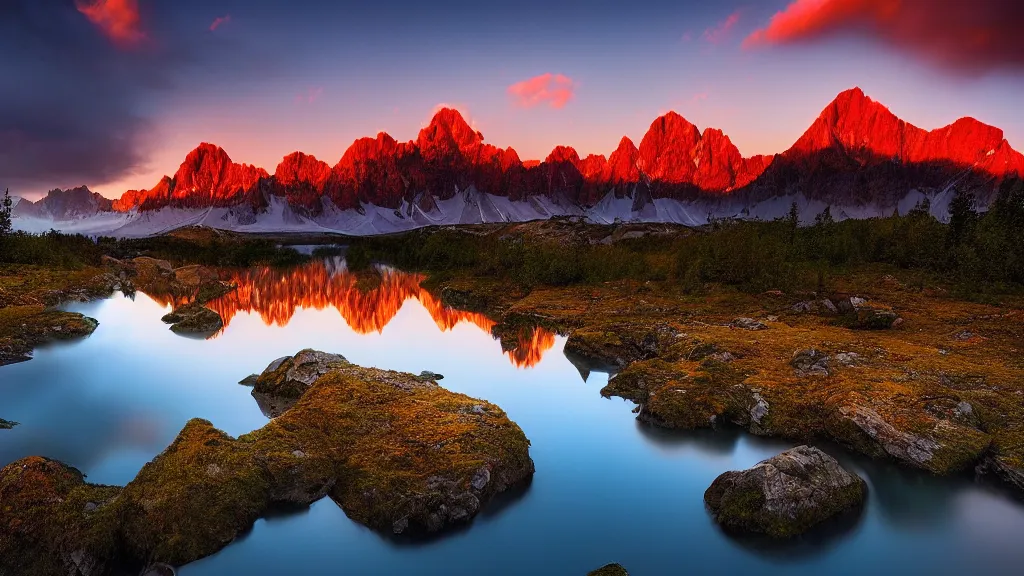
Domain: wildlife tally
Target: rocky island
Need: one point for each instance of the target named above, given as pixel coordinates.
(398, 453)
(786, 494)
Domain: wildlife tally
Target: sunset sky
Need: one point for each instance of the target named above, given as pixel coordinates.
(114, 93)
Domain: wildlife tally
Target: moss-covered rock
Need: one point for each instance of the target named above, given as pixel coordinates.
(291, 376)
(397, 453)
(52, 522)
(23, 328)
(784, 495)
(609, 570)
(194, 318)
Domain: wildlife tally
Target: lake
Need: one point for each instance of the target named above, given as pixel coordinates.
(607, 488)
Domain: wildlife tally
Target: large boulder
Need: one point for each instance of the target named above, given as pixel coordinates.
(291, 376)
(784, 495)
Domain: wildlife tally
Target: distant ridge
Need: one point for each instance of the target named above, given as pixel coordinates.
(857, 155)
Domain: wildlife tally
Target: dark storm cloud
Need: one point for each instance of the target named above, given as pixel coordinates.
(68, 99)
(75, 84)
(961, 36)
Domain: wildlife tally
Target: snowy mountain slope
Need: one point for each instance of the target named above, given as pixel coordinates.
(466, 207)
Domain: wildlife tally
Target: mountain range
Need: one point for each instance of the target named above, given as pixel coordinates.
(857, 158)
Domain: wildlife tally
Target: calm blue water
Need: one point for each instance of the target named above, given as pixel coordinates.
(606, 488)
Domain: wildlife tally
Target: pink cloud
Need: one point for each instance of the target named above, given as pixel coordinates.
(309, 96)
(974, 36)
(553, 89)
(118, 19)
(720, 32)
(687, 36)
(220, 21)
(699, 97)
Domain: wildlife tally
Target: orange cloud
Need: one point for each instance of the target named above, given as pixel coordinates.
(974, 36)
(553, 89)
(118, 19)
(220, 21)
(720, 32)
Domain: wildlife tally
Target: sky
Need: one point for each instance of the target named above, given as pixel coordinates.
(113, 94)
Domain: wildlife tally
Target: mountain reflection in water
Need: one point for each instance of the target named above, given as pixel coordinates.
(367, 301)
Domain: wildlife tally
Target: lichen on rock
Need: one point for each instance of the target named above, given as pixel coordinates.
(784, 495)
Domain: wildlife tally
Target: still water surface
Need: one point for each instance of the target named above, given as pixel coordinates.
(606, 488)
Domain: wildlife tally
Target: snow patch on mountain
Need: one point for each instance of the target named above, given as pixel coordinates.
(466, 207)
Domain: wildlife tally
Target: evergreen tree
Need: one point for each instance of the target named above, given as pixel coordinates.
(963, 216)
(921, 209)
(5, 214)
(825, 218)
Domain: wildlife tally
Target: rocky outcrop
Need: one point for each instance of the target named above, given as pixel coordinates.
(33, 326)
(194, 318)
(784, 495)
(291, 376)
(398, 454)
(935, 444)
(7, 424)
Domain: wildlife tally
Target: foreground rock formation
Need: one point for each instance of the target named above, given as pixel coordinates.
(398, 454)
(784, 495)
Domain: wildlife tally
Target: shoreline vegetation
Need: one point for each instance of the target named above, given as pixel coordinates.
(898, 338)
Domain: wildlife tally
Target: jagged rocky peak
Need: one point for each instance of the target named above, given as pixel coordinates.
(69, 204)
(666, 151)
(855, 125)
(448, 132)
(209, 172)
(622, 164)
(854, 140)
(298, 168)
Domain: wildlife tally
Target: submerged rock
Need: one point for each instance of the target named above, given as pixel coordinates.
(397, 454)
(7, 424)
(784, 495)
(609, 570)
(291, 376)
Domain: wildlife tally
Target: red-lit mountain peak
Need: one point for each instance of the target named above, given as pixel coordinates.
(854, 123)
(563, 154)
(622, 164)
(447, 133)
(666, 151)
(299, 169)
(208, 172)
